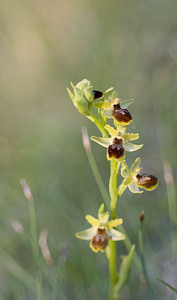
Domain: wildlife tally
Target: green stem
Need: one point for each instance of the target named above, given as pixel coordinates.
(113, 276)
(98, 124)
(35, 248)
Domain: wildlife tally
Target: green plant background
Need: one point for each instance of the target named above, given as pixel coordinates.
(44, 45)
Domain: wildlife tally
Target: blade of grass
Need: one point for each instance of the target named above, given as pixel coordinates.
(16, 270)
(34, 238)
(170, 286)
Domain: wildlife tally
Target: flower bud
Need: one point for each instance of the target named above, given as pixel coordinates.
(122, 116)
(146, 181)
(100, 240)
(97, 94)
(116, 150)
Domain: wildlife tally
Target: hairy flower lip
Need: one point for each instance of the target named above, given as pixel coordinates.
(146, 180)
(100, 240)
(116, 151)
(97, 94)
(121, 115)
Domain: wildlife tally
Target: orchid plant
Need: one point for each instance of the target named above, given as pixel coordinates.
(100, 108)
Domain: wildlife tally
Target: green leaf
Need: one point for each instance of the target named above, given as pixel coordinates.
(171, 287)
(124, 273)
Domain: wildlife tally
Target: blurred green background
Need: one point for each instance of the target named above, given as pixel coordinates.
(130, 45)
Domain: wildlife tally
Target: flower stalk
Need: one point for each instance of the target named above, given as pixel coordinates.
(103, 232)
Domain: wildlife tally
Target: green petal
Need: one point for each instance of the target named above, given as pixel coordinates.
(86, 234)
(105, 142)
(133, 188)
(100, 210)
(116, 235)
(93, 221)
(114, 223)
(104, 218)
(111, 130)
(130, 136)
(120, 129)
(136, 164)
(124, 169)
(131, 147)
(125, 103)
(98, 104)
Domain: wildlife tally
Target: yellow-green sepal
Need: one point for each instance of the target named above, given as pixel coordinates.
(125, 103)
(105, 142)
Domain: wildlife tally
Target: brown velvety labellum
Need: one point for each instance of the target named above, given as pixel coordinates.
(121, 115)
(115, 151)
(147, 180)
(101, 239)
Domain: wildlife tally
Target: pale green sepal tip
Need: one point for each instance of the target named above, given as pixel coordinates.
(125, 103)
(136, 164)
(105, 142)
(114, 223)
(104, 217)
(132, 147)
(86, 234)
(71, 95)
(134, 189)
(124, 274)
(116, 235)
(100, 210)
(91, 220)
(124, 168)
(131, 136)
(111, 130)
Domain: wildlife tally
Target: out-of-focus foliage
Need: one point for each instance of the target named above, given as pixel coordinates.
(44, 45)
